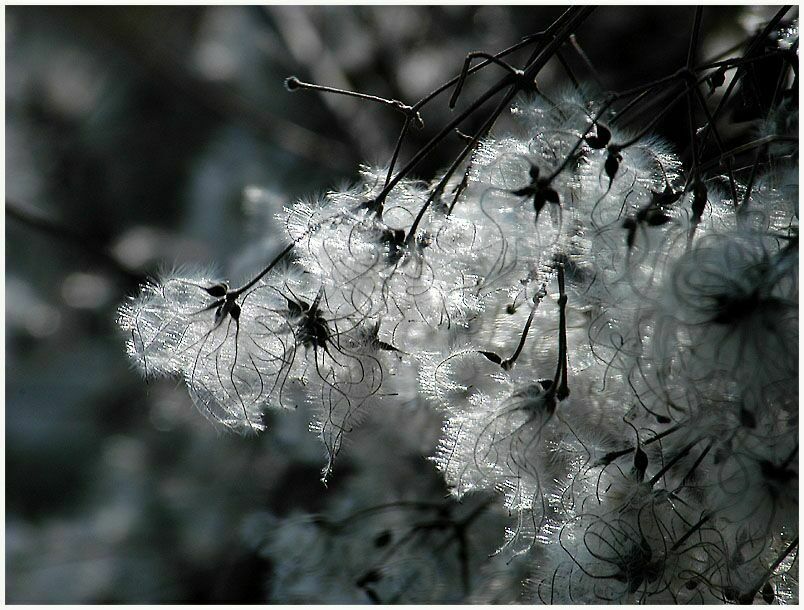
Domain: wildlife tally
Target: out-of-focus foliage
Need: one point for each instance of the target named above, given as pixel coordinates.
(148, 136)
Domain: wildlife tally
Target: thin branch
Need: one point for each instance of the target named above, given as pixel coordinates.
(99, 254)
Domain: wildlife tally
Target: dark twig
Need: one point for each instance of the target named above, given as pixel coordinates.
(98, 253)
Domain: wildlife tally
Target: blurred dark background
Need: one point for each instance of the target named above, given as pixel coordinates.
(141, 138)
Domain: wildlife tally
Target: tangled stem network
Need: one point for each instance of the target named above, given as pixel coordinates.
(609, 334)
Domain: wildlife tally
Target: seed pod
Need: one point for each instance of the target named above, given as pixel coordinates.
(382, 539)
(631, 225)
(368, 578)
(386, 347)
(608, 458)
(612, 164)
(640, 463)
(600, 138)
(667, 197)
(698, 200)
(493, 357)
(217, 290)
(655, 217)
(747, 418)
(219, 313)
(550, 195)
